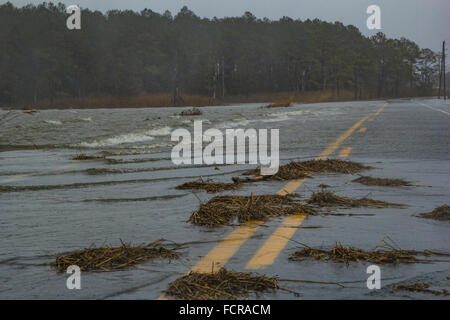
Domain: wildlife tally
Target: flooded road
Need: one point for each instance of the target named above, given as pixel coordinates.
(50, 204)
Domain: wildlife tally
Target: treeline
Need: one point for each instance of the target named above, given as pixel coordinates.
(125, 53)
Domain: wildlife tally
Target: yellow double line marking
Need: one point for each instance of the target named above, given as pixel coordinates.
(270, 250)
(381, 109)
(218, 256)
(345, 152)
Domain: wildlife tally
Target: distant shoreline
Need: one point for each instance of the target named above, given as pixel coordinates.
(166, 101)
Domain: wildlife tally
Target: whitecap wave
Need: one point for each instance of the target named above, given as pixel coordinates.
(53, 122)
(246, 122)
(164, 131)
(235, 123)
(148, 135)
(277, 118)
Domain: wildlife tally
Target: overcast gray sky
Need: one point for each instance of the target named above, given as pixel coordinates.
(427, 22)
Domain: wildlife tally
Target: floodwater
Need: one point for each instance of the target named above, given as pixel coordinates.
(50, 204)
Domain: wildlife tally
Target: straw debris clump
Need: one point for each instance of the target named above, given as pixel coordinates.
(304, 169)
(329, 199)
(441, 213)
(223, 210)
(380, 255)
(110, 259)
(334, 166)
(371, 181)
(191, 112)
(209, 186)
(85, 157)
(222, 285)
(420, 288)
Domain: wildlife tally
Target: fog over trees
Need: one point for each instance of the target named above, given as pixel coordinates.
(125, 53)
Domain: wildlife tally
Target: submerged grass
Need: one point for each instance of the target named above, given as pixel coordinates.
(441, 213)
(329, 199)
(84, 157)
(385, 254)
(222, 285)
(303, 169)
(223, 210)
(371, 181)
(334, 166)
(109, 258)
(420, 288)
(191, 112)
(209, 186)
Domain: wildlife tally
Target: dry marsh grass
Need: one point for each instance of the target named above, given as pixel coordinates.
(420, 288)
(384, 182)
(209, 186)
(221, 285)
(304, 169)
(384, 254)
(329, 199)
(110, 258)
(146, 100)
(223, 210)
(441, 213)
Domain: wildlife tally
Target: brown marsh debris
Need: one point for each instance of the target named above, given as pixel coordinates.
(109, 258)
(84, 157)
(303, 169)
(329, 199)
(334, 166)
(421, 288)
(223, 210)
(209, 186)
(350, 214)
(282, 104)
(221, 285)
(441, 213)
(371, 181)
(191, 112)
(384, 254)
(292, 170)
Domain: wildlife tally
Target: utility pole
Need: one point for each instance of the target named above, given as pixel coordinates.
(443, 69)
(440, 78)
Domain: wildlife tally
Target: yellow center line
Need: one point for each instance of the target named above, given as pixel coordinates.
(223, 252)
(381, 109)
(363, 130)
(278, 240)
(276, 243)
(345, 152)
(218, 256)
(332, 147)
(291, 186)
